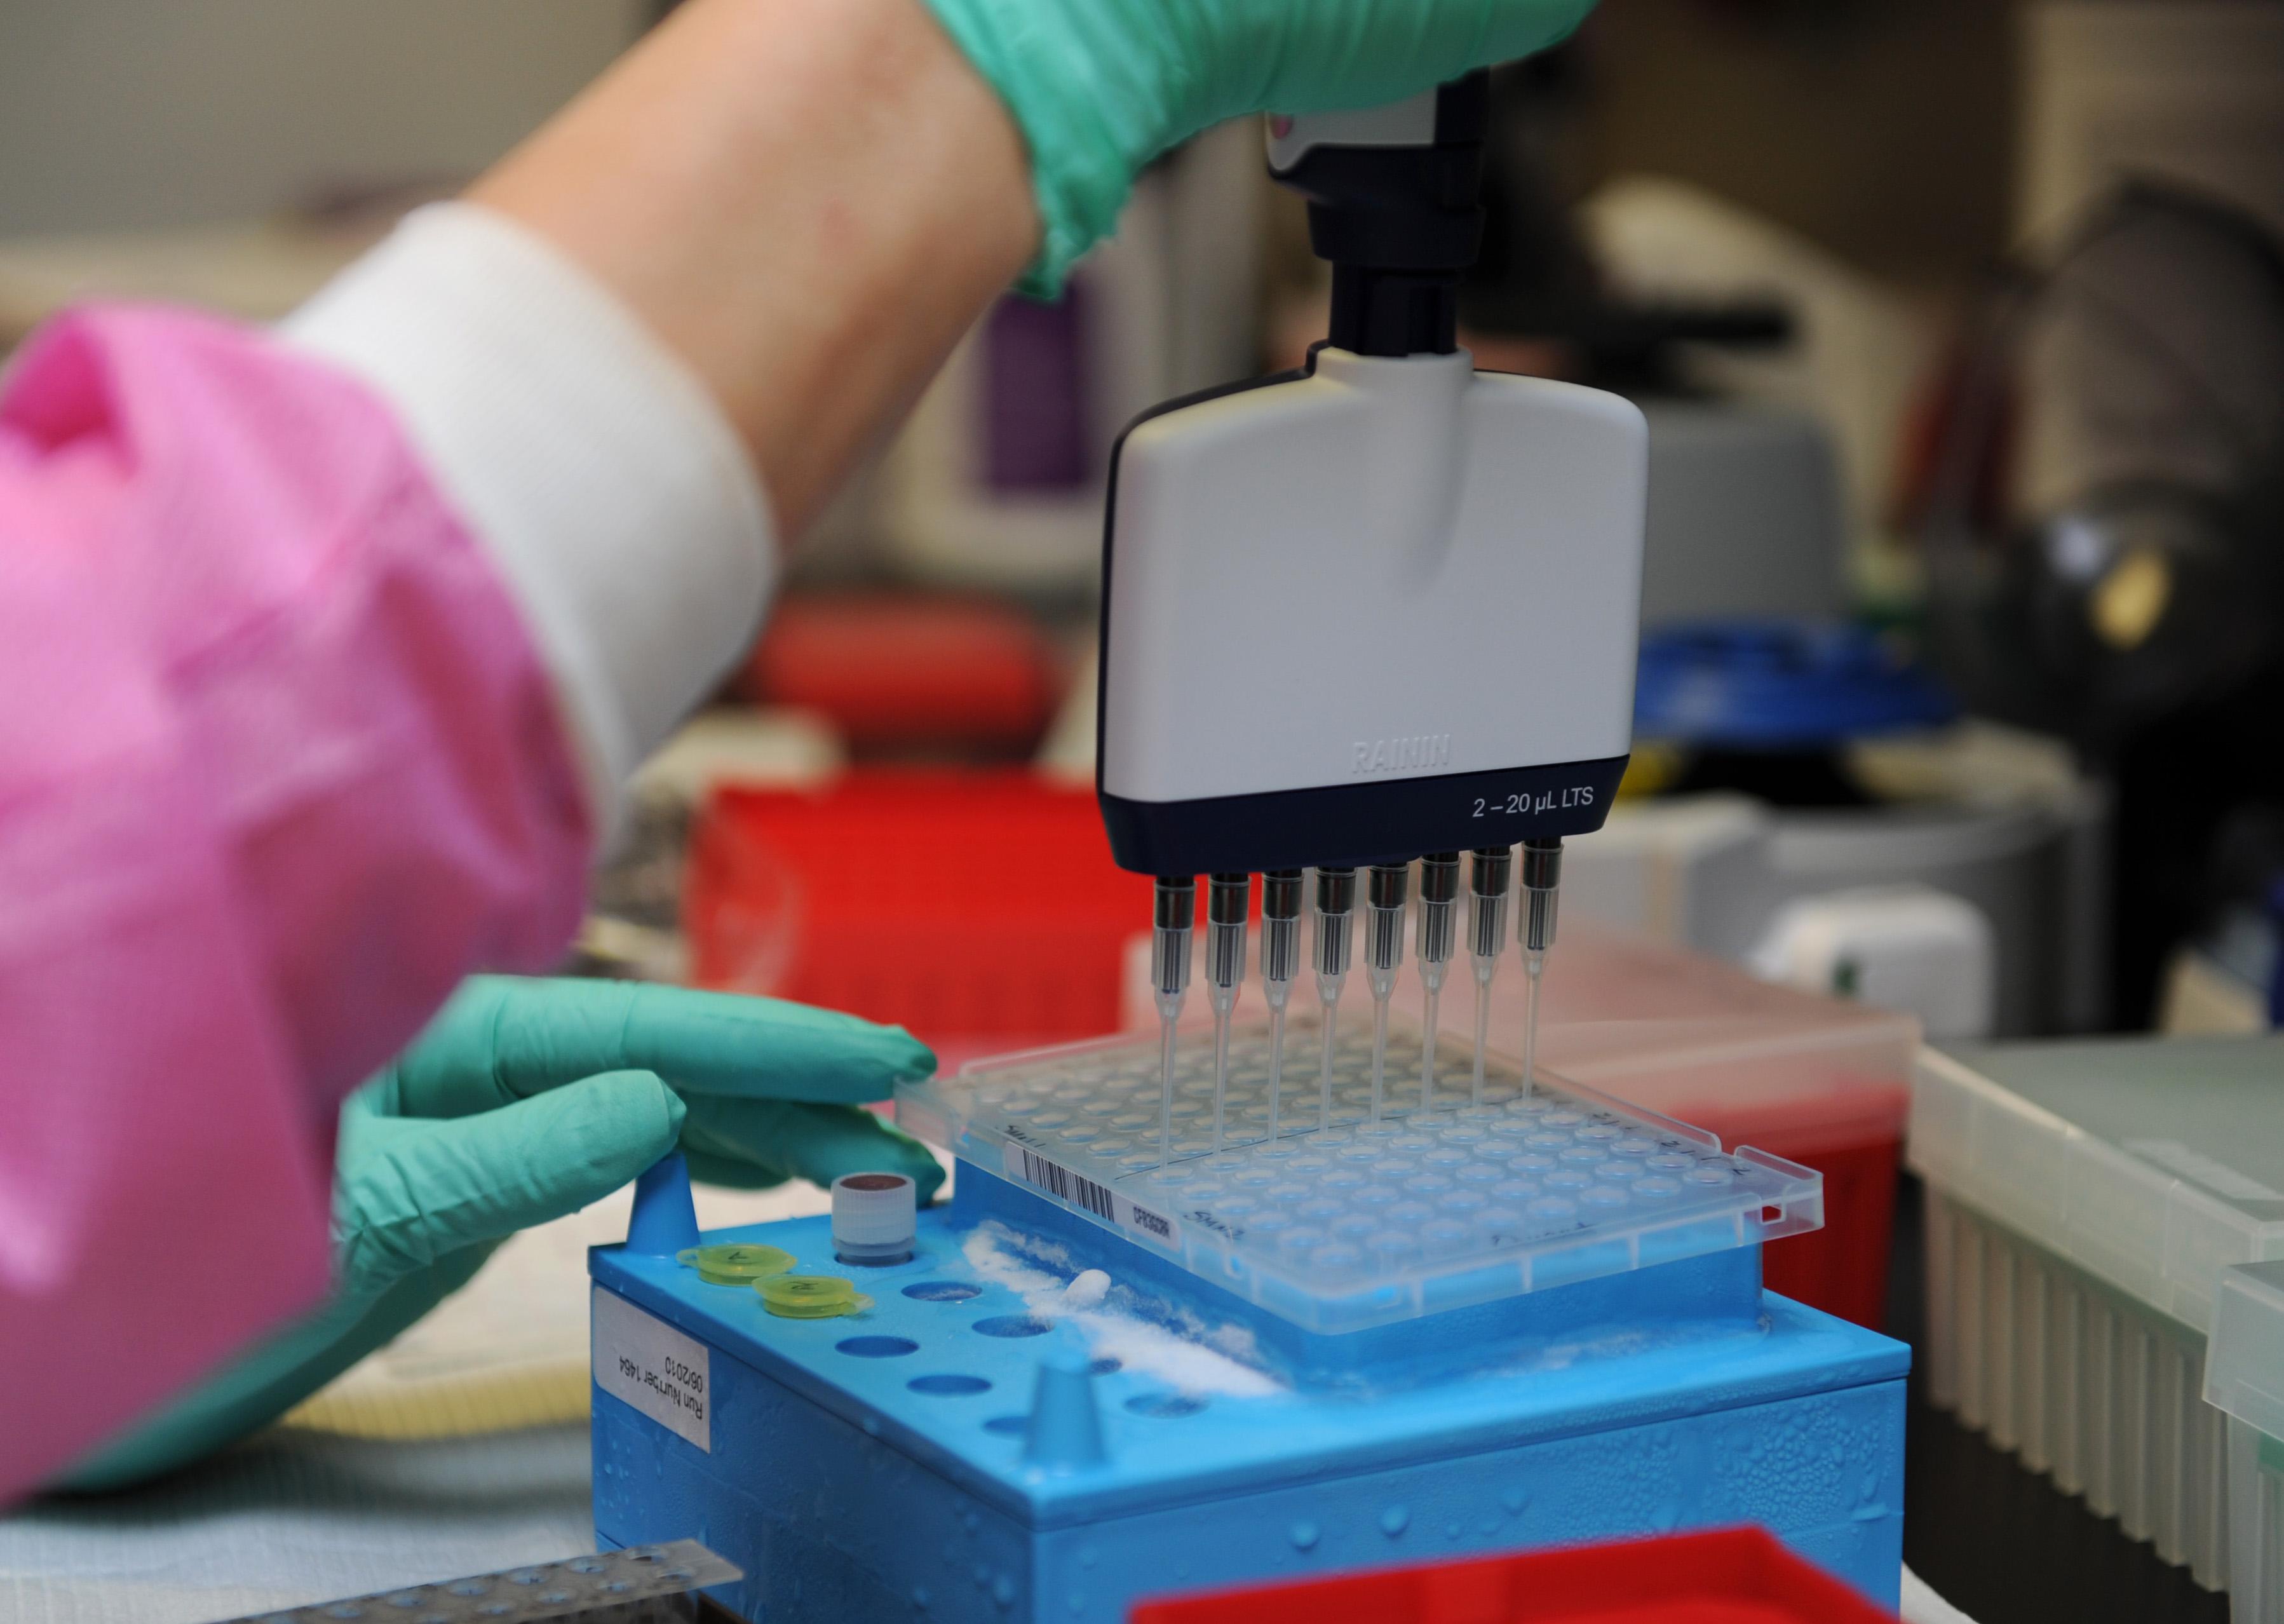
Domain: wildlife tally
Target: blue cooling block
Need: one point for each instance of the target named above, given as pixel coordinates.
(948, 1453)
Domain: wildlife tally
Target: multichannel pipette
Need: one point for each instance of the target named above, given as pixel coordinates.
(1335, 911)
(1383, 956)
(1542, 876)
(1487, 889)
(1280, 962)
(1387, 495)
(1439, 903)
(1176, 916)
(1229, 900)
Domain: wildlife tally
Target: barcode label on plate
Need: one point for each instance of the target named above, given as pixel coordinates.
(1085, 1194)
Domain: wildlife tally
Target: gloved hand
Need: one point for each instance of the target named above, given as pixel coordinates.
(525, 1100)
(1101, 86)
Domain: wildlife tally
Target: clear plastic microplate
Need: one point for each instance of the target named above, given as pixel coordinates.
(1344, 1224)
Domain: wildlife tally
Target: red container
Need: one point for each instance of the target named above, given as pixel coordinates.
(1729, 1576)
(900, 673)
(965, 906)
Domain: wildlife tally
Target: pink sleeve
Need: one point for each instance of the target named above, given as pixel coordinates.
(278, 765)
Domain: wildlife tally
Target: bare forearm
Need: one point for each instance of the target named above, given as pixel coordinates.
(807, 200)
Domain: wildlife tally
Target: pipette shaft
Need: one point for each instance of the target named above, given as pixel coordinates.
(1173, 919)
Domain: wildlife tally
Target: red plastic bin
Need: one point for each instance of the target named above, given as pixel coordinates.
(962, 905)
(897, 672)
(1727, 1576)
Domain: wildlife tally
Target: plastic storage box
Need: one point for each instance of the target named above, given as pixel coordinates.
(2083, 1201)
(1728, 1576)
(965, 906)
(2244, 1379)
(1814, 1079)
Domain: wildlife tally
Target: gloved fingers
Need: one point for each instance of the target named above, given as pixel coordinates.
(407, 1191)
(755, 1142)
(503, 1038)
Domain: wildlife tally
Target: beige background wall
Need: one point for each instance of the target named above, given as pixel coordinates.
(143, 113)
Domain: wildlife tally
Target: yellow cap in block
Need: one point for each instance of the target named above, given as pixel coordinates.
(735, 1265)
(811, 1296)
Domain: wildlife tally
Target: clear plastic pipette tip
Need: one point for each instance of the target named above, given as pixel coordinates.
(1280, 962)
(1275, 1062)
(1533, 965)
(1173, 916)
(1439, 903)
(1229, 901)
(1487, 902)
(1542, 878)
(1383, 956)
(1166, 1090)
(1336, 908)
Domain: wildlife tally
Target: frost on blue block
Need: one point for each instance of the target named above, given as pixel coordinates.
(1340, 1222)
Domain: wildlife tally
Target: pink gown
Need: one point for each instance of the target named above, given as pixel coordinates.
(278, 765)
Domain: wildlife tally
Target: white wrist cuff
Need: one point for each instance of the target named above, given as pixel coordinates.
(597, 473)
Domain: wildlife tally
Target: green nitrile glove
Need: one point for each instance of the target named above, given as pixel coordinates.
(1101, 86)
(525, 1100)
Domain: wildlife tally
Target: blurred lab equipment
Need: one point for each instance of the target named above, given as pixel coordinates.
(2190, 95)
(2102, 508)
(2228, 976)
(1819, 817)
(1745, 511)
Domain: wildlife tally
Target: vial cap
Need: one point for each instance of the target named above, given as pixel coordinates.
(735, 1264)
(811, 1296)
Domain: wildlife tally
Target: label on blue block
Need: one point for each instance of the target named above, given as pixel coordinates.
(1041, 1173)
(648, 1364)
